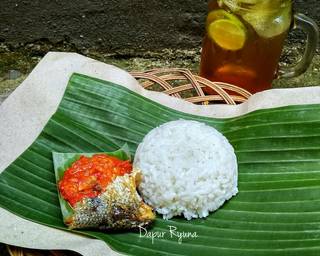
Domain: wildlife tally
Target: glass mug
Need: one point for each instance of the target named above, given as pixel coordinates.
(244, 40)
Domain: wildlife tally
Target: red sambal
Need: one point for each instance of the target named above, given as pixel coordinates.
(89, 176)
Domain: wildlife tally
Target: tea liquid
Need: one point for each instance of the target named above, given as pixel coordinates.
(247, 57)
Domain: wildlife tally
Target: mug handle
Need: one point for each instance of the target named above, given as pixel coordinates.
(312, 30)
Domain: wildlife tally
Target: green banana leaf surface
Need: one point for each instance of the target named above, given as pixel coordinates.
(277, 209)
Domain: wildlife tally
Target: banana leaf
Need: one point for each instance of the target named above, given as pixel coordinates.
(277, 209)
(62, 161)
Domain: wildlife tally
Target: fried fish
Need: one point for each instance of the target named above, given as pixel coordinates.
(102, 193)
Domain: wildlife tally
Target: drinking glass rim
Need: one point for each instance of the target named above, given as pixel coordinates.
(229, 3)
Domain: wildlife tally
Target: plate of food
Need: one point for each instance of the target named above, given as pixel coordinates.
(148, 179)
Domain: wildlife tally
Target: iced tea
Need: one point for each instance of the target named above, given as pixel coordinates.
(244, 40)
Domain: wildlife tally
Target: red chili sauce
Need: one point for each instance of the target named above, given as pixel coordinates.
(89, 176)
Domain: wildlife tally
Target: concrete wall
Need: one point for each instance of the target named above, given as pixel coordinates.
(111, 25)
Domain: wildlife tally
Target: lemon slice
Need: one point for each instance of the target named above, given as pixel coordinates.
(217, 15)
(229, 34)
(221, 14)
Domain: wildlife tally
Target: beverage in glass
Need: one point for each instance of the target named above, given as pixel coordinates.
(244, 40)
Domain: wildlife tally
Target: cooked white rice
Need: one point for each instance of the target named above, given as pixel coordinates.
(187, 168)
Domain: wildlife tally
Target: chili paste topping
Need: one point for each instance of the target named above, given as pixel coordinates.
(89, 176)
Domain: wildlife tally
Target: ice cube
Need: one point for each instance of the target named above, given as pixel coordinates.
(268, 22)
(232, 5)
(248, 1)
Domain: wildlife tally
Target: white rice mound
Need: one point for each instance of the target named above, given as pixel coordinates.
(187, 168)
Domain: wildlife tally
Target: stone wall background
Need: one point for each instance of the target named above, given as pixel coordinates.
(122, 26)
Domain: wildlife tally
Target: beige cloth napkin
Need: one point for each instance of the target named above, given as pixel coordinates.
(24, 114)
